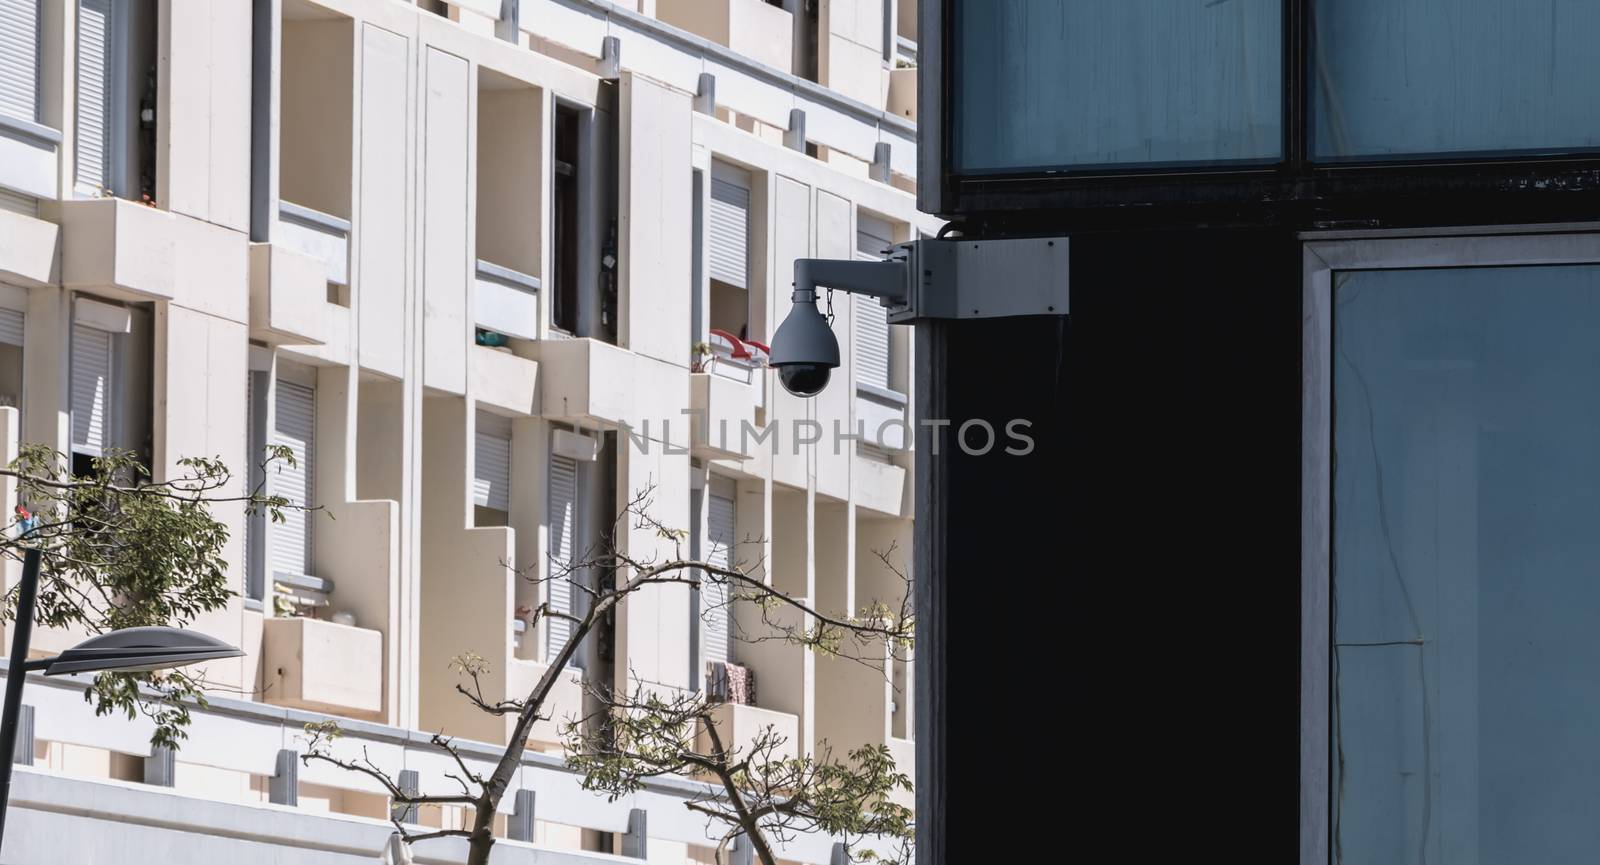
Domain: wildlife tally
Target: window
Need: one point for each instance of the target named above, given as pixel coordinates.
(567, 228)
(11, 334)
(491, 470)
(91, 393)
(563, 512)
(116, 98)
(1460, 549)
(872, 337)
(715, 594)
(1416, 77)
(294, 425)
(1115, 82)
(19, 59)
(109, 381)
(728, 249)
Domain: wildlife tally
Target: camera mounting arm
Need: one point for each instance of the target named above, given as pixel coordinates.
(880, 279)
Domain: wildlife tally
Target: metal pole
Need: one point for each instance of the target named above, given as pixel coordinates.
(17, 677)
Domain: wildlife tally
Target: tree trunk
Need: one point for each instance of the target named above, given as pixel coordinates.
(482, 840)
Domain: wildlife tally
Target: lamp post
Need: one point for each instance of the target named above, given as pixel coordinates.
(131, 650)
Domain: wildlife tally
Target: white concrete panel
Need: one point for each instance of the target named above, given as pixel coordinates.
(791, 234)
(564, 24)
(445, 260)
(230, 117)
(663, 62)
(657, 240)
(505, 309)
(204, 168)
(199, 402)
(184, 172)
(28, 248)
(832, 409)
(287, 291)
(504, 380)
(653, 625)
(381, 247)
(751, 96)
(28, 166)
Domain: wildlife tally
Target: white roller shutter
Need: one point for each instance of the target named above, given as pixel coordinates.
(294, 426)
(91, 389)
(729, 225)
(563, 527)
(491, 462)
(93, 150)
(11, 327)
(19, 59)
(873, 236)
(714, 595)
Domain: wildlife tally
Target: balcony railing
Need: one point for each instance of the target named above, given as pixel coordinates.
(319, 235)
(255, 739)
(28, 153)
(506, 301)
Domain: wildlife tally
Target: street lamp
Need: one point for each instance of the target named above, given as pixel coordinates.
(130, 650)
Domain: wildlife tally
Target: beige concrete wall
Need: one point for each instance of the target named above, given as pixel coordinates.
(906, 19)
(835, 564)
(852, 699)
(877, 581)
(792, 524)
(783, 670)
(316, 123)
(510, 174)
(380, 426)
(466, 596)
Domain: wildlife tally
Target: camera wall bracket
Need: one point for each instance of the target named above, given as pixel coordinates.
(953, 278)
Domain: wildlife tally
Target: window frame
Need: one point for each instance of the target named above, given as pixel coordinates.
(1324, 254)
(1268, 191)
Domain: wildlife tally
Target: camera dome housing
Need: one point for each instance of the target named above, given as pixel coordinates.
(804, 350)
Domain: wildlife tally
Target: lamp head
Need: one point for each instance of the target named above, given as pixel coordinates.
(140, 650)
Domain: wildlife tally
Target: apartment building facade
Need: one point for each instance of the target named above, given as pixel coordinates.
(489, 270)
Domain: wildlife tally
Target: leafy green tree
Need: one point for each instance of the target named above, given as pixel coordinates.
(119, 550)
(758, 790)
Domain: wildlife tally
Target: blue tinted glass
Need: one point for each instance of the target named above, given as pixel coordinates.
(1419, 77)
(1072, 83)
(1466, 555)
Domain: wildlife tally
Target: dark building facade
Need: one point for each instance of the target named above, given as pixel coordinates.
(1304, 566)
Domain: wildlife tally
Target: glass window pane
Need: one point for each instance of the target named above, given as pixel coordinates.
(1466, 586)
(1073, 83)
(1422, 77)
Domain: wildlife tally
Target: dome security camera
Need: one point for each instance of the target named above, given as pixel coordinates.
(804, 350)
